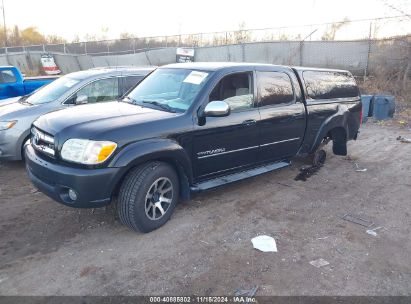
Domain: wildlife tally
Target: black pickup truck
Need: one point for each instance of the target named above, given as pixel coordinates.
(189, 127)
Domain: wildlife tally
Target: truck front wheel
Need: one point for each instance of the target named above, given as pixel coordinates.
(148, 196)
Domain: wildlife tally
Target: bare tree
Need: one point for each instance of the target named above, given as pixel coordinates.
(332, 29)
(242, 35)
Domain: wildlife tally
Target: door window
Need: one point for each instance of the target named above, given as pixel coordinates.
(329, 85)
(274, 88)
(130, 81)
(236, 90)
(7, 76)
(100, 90)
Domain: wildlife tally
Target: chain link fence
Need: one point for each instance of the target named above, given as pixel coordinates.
(344, 30)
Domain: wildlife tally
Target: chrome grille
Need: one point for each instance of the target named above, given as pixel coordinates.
(42, 142)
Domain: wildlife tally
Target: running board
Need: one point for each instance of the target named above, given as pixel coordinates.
(219, 181)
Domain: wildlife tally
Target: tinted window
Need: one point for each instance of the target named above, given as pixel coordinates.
(328, 85)
(274, 88)
(236, 90)
(100, 90)
(7, 76)
(130, 81)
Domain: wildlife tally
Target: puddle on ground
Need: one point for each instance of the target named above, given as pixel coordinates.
(306, 172)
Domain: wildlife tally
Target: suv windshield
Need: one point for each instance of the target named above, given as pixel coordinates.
(169, 89)
(52, 91)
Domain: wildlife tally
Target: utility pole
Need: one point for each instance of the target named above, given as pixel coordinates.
(179, 33)
(4, 23)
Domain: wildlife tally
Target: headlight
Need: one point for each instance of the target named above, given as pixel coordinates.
(87, 152)
(5, 125)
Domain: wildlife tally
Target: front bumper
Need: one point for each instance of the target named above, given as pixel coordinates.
(94, 187)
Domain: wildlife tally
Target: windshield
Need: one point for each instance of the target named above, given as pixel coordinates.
(171, 90)
(52, 91)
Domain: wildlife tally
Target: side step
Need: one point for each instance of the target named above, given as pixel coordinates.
(223, 180)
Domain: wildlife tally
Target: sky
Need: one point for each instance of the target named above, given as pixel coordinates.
(161, 17)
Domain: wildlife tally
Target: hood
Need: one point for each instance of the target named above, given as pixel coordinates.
(13, 109)
(88, 120)
(7, 101)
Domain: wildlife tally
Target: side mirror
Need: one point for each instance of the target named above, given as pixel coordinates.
(217, 109)
(81, 99)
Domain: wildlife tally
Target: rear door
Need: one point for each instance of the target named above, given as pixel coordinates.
(283, 120)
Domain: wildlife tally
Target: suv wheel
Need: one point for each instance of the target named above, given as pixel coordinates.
(148, 196)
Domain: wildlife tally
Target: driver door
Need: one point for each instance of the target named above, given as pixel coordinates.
(226, 144)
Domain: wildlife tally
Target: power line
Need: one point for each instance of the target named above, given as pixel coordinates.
(395, 8)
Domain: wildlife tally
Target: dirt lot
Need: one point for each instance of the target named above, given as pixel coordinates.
(49, 249)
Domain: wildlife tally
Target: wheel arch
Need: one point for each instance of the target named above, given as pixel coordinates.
(20, 144)
(166, 150)
(335, 128)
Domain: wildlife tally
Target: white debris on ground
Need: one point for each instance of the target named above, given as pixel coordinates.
(264, 243)
(319, 263)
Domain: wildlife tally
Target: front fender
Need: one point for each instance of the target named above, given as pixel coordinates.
(153, 149)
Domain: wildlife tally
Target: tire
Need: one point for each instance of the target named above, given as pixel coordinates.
(144, 201)
(319, 158)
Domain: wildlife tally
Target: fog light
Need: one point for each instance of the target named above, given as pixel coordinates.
(72, 194)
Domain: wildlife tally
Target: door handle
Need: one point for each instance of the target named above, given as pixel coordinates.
(249, 122)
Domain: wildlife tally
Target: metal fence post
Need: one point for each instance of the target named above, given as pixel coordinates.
(44, 48)
(64, 48)
(301, 52)
(85, 47)
(368, 53)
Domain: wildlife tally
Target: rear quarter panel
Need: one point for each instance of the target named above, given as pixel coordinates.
(324, 115)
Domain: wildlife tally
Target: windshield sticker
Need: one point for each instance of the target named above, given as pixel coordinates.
(196, 77)
(70, 83)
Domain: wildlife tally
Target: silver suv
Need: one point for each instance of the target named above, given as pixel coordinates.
(91, 86)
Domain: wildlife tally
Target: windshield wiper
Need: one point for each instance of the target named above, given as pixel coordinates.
(160, 105)
(129, 100)
(24, 99)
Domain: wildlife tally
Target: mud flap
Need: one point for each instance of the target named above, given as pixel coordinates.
(339, 139)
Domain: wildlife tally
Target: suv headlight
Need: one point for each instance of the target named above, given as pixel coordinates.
(5, 125)
(89, 152)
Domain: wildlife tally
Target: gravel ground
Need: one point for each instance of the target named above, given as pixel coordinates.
(205, 249)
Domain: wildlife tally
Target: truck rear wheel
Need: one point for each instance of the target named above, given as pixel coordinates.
(148, 196)
(319, 158)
